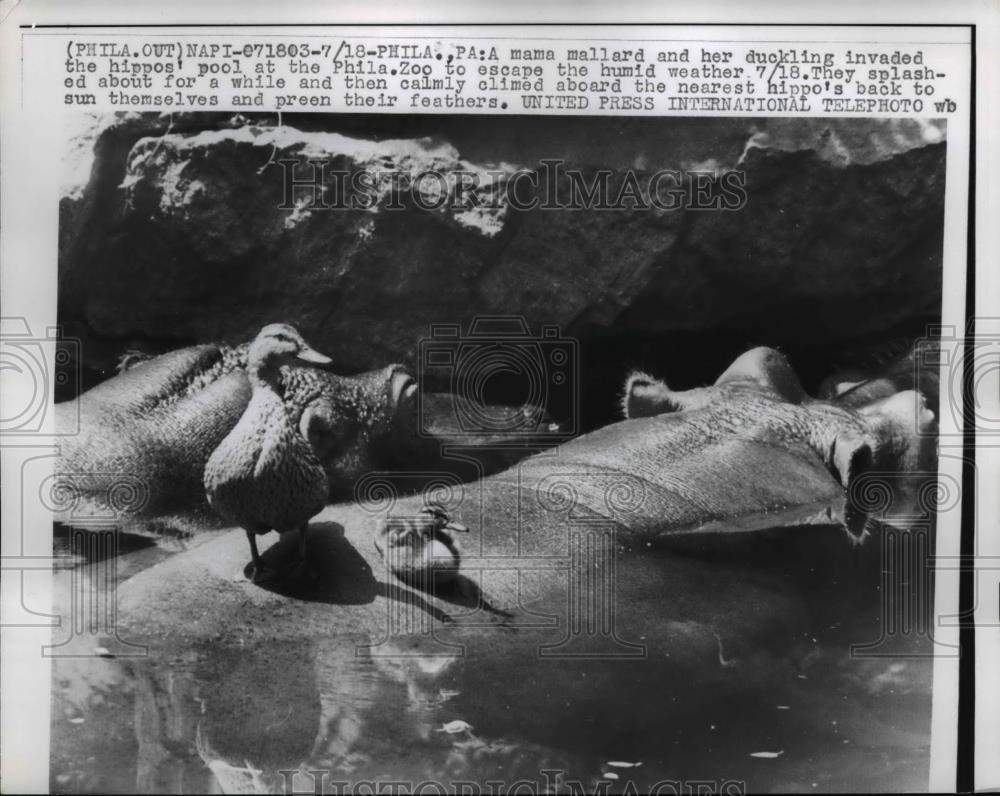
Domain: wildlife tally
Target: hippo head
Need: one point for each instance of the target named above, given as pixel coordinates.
(762, 369)
(179, 406)
(355, 423)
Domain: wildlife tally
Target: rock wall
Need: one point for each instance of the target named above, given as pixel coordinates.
(172, 233)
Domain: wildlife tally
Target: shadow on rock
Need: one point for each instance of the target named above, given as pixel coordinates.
(464, 592)
(340, 574)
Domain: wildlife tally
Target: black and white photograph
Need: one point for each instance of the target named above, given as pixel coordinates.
(434, 445)
(546, 467)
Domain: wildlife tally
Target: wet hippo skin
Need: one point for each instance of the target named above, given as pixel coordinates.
(577, 615)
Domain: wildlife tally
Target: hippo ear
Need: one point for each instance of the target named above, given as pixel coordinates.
(402, 385)
(850, 456)
(130, 359)
(646, 397)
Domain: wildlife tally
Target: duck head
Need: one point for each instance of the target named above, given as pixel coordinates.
(278, 344)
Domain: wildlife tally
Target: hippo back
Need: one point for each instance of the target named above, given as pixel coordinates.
(701, 470)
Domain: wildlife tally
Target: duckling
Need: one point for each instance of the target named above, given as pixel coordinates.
(420, 549)
(265, 475)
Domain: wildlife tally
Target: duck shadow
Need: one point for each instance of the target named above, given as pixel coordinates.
(461, 591)
(340, 574)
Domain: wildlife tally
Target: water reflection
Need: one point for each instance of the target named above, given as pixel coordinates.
(263, 718)
(308, 713)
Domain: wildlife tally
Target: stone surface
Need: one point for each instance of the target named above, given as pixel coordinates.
(172, 234)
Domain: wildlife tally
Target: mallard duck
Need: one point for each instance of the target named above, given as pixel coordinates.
(265, 475)
(420, 549)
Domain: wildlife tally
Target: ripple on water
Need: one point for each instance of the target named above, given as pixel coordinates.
(255, 715)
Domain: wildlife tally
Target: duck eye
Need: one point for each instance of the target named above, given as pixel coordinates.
(284, 337)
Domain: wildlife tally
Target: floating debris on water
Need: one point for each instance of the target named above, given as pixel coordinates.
(783, 707)
(767, 755)
(455, 726)
(622, 764)
(723, 661)
(609, 775)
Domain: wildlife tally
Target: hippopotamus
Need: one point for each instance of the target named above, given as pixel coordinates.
(137, 444)
(570, 577)
(886, 422)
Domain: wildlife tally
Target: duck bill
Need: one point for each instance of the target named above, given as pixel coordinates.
(456, 526)
(309, 355)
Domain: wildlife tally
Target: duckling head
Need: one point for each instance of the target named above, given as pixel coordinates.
(277, 344)
(442, 522)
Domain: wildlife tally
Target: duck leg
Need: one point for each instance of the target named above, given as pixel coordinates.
(303, 530)
(303, 559)
(258, 567)
(261, 573)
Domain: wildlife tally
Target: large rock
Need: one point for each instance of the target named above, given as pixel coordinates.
(172, 233)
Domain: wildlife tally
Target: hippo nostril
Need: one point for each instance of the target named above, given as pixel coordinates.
(850, 458)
